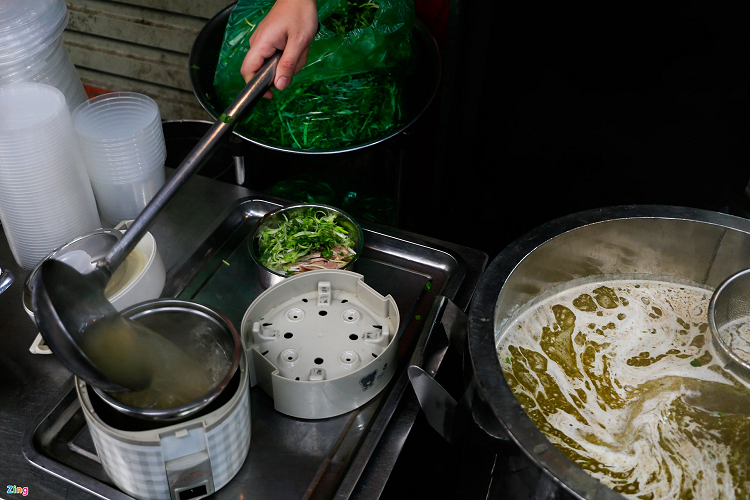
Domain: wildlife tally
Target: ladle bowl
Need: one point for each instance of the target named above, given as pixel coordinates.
(66, 302)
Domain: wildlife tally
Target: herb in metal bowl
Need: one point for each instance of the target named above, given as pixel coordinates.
(311, 239)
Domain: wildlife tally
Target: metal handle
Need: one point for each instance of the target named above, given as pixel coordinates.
(6, 279)
(192, 162)
(443, 412)
(239, 169)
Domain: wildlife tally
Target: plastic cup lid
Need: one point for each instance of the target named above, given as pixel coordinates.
(29, 26)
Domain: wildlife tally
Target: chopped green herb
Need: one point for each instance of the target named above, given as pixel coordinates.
(418, 317)
(355, 16)
(695, 363)
(507, 360)
(300, 237)
(339, 110)
(428, 286)
(225, 118)
(195, 66)
(225, 262)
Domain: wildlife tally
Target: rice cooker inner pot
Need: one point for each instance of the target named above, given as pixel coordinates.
(186, 324)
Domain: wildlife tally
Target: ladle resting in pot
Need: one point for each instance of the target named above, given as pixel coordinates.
(66, 303)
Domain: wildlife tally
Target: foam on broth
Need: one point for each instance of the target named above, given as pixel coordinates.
(622, 377)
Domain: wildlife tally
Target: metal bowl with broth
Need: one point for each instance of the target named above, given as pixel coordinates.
(589, 343)
(141, 277)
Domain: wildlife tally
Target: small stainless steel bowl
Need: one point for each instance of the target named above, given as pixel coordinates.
(269, 277)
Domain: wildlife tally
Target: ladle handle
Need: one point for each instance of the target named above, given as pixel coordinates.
(254, 89)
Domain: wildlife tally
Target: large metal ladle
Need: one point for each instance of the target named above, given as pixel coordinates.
(66, 302)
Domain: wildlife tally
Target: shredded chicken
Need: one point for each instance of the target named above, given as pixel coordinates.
(341, 257)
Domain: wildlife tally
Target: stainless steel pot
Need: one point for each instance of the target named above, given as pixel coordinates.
(421, 87)
(671, 242)
(6, 279)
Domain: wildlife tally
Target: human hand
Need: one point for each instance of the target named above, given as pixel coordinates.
(289, 26)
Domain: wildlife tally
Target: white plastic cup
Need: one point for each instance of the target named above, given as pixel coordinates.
(45, 194)
(122, 143)
(32, 50)
(28, 26)
(118, 202)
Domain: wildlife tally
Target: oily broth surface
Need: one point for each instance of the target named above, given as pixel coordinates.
(621, 376)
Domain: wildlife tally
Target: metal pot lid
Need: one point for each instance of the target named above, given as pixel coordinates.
(482, 330)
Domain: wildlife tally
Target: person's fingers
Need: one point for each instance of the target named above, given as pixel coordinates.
(302, 61)
(296, 48)
(255, 58)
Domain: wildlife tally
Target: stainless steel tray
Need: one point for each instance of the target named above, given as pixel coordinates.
(289, 457)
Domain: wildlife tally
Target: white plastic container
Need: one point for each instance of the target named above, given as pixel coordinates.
(122, 143)
(31, 47)
(321, 343)
(126, 200)
(46, 198)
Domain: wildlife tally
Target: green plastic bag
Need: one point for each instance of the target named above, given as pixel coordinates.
(351, 89)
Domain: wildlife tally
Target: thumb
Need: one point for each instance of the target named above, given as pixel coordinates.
(288, 63)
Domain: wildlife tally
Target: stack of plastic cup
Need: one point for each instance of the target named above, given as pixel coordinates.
(45, 195)
(32, 50)
(122, 142)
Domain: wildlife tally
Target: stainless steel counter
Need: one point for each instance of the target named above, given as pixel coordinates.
(29, 382)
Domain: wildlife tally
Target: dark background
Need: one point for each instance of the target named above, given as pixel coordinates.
(548, 108)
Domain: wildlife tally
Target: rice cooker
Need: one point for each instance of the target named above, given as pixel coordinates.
(174, 459)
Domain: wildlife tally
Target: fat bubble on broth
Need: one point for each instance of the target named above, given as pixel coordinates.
(622, 377)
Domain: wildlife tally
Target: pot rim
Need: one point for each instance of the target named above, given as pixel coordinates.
(491, 383)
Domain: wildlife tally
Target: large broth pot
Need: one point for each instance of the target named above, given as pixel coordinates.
(685, 244)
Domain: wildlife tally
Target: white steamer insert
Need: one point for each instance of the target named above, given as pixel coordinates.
(321, 343)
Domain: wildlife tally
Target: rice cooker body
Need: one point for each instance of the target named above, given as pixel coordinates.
(191, 459)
